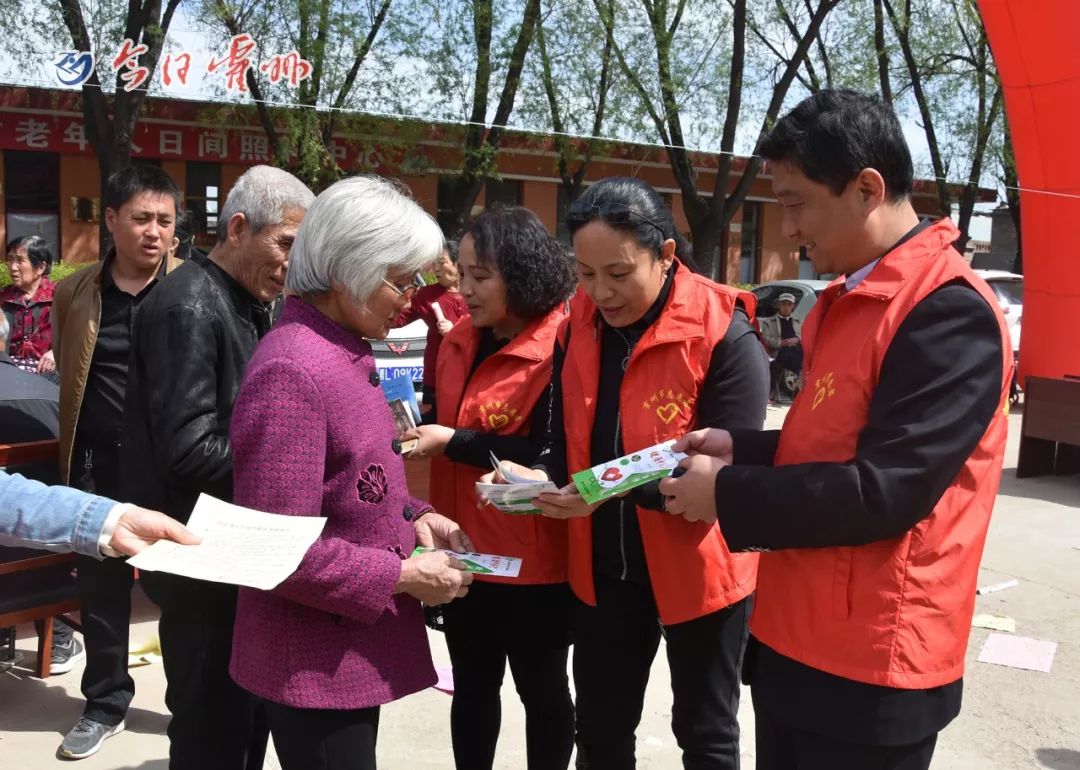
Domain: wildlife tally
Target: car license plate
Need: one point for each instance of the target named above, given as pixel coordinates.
(414, 373)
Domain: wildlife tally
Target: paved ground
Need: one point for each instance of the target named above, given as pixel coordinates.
(1011, 718)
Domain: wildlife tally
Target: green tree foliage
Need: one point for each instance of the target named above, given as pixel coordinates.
(339, 39)
(110, 113)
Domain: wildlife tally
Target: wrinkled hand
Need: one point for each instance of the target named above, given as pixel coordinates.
(693, 494)
(432, 440)
(433, 530)
(47, 363)
(567, 503)
(444, 326)
(434, 578)
(139, 528)
(708, 441)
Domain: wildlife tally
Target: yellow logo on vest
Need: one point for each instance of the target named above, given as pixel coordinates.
(668, 404)
(498, 414)
(823, 390)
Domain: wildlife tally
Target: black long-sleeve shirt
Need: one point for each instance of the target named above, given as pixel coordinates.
(474, 447)
(734, 393)
(939, 387)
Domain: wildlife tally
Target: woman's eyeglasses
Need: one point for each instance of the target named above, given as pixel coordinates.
(581, 212)
(401, 291)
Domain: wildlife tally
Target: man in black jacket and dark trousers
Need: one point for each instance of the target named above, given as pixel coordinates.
(190, 348)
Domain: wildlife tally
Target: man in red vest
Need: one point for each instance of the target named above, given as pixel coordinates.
(871, 505)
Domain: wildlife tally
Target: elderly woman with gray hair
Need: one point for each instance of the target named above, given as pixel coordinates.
(312, 435)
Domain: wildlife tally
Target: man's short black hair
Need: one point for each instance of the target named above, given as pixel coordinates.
(834, 134)
(125, 184)
(536, 270)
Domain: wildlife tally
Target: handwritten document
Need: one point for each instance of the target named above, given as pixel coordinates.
(239, 546)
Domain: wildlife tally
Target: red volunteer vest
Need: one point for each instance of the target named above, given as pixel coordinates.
(691, 570)
(895, 613)
(498, 398)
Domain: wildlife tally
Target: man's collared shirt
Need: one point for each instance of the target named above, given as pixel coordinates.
(102, 414)
(859, 275)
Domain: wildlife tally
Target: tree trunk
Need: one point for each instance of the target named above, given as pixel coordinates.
(882, 53)
(111, 137)
(1012, 196)
(482, 145)
(903, 38)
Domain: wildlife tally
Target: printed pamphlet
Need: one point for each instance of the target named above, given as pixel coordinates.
(482, 563)
(625, 473)
(516, 497)
(401, 396)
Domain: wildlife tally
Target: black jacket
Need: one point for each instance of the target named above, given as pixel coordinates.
(193, 338)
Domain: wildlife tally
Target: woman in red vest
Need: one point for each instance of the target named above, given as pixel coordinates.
(650, 350)
(874, 500)
(440, 306)
(494, 368)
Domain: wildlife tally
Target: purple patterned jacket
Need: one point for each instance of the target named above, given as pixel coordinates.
(312, 435)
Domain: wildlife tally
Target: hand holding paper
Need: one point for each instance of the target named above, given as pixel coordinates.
(692, 493)
(482, 563)
(433, 577)
(433, 530)
(708, 441)
(512, 488)
(426, 441)
(239, 546)
(565, 503)
(401, 396)
(622, 474)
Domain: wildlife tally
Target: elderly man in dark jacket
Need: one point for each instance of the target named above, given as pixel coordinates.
(192, 341)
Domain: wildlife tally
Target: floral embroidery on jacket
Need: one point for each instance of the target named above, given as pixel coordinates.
(371, 487)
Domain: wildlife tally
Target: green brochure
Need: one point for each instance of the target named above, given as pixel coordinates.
(625, 473)
(481, 563)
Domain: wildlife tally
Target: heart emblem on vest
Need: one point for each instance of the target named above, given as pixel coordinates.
(668, 412)
(497, 421)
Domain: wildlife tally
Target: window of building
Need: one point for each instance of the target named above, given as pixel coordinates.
(444, 202)
(503, 191)
(562, 203)
(203, 190)
(751, 242)
(32, 181)
(32, 193)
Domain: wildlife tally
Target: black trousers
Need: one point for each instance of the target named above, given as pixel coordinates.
(323, 739)
(781, 747)
(614, 646)
(527, 626)
(104, 589)
(216, 724)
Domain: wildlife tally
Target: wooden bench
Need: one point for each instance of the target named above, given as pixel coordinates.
(1050, 436)
(35, 586)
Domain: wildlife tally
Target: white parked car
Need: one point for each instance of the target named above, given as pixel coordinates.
(804, 290)
(402, 353)
(1009, 290)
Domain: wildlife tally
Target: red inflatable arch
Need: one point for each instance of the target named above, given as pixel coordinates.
(1035, 48)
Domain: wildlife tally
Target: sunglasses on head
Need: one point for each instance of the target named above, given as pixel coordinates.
(582, 212)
